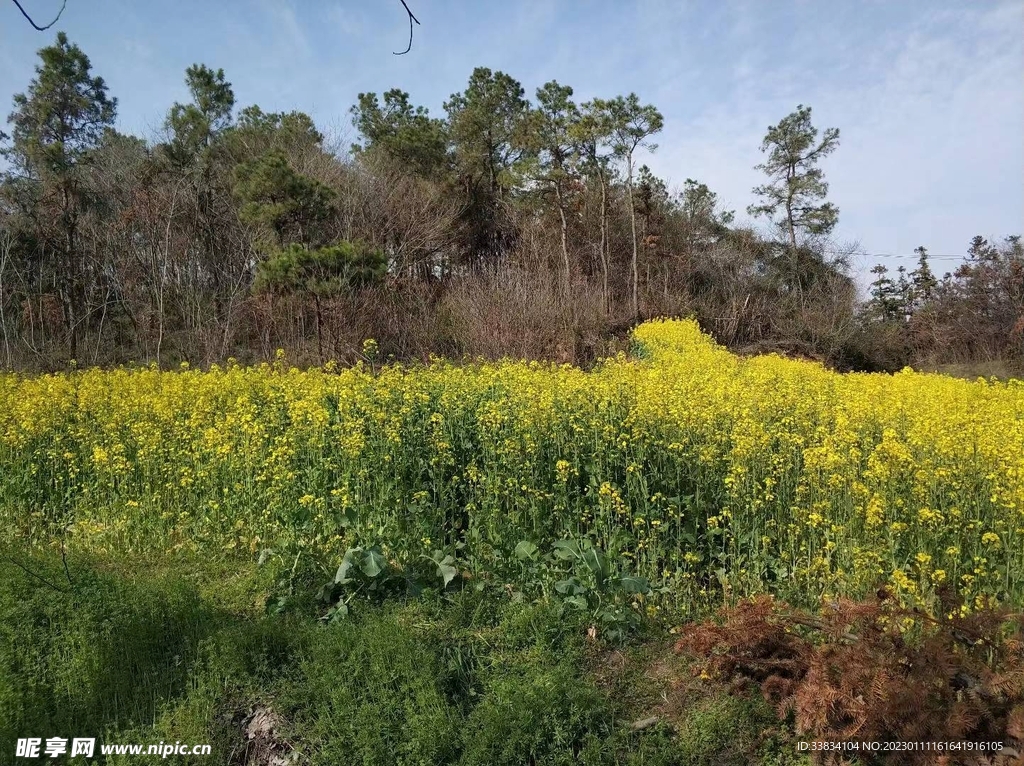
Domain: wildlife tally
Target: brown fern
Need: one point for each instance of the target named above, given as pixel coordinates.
(873, 671)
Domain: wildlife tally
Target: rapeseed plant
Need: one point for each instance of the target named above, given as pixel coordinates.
(690, 467)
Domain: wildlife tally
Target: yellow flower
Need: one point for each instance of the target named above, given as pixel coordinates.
(838, 475)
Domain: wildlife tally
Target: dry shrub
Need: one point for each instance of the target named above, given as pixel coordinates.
(511, 312)
(504, 312)
(875, 672)
(403, 318)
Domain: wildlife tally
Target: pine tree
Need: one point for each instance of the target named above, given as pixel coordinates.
(885, 302)
(57, 125)
(794, 198)
(632, 125)
(554, 119)
(923, 281)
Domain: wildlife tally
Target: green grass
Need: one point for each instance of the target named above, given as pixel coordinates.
(182, 650)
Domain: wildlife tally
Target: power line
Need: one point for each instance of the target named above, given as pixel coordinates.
(33, 23)
(930, 256)
(940, 256)
(915, 256)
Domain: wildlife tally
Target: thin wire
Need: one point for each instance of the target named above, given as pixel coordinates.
(930, 256)
(915, 256)
(36, 26)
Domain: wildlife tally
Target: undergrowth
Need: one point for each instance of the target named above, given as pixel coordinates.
(181, 649)
(176, 648)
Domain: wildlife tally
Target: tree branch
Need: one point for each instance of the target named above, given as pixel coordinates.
(43, 29)
(411, 20)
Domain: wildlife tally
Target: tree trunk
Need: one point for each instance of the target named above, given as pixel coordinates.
(319, 331)
(604, 246)
(632, 224)
(790, 227)
(162, 272)
(794, 266)
(5, 254)
(565, 238)
(69, 274)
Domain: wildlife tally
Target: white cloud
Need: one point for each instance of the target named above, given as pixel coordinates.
(931, 117)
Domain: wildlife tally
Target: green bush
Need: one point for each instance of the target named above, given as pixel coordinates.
(532, 713)
(371, 692)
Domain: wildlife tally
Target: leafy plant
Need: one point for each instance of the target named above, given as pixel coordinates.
(367, 572)
(581, 578)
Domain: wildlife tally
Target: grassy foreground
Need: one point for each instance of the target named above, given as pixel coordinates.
(176, 650)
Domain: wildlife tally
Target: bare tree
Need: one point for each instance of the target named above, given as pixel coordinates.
(632, 124)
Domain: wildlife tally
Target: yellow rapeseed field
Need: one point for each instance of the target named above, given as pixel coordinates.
(689, 466)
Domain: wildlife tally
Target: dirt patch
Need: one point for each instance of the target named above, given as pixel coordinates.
(650, 684)
(261, 741)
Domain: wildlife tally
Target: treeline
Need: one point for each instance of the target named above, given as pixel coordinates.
(973, 314)
(509, 226)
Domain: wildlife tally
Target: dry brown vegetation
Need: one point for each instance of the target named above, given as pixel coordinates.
(874, 672)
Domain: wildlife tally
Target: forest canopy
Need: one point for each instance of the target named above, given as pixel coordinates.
(512, 223)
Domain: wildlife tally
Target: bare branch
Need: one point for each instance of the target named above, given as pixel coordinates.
(411, 20)
(43, 29)
(39, 577)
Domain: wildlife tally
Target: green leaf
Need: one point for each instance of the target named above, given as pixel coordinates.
(567, 550)
(526, 551)
(277, 605)
(567, 586)
(597, 562)
(579, 602)
(341, 576)
(721, 575)
(327, 593)
(337, 614)
(348, 517)
(373, 562)
(446, 570)
(634, 585)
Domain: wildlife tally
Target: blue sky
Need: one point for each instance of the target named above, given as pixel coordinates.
(929, 95)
